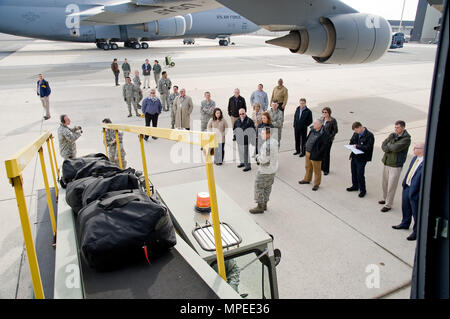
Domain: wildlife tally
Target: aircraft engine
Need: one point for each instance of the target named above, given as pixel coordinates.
(189, 21)
(341, 39)
(169, 27)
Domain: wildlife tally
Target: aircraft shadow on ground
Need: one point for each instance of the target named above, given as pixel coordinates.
(374, 112)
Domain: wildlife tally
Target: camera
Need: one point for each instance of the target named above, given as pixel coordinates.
(78, 128)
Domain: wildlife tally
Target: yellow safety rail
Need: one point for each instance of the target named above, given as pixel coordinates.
(206, 140)
(14, 168)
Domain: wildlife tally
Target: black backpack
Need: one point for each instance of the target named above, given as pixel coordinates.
(123, 227)
(70, 167)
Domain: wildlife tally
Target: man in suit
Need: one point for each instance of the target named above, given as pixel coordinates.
(244, 133)
(302, 119)
(235, 103)
(411, 191)
(363, 140)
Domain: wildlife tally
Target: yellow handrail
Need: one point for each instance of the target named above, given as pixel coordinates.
(208, 141)
(14, 168)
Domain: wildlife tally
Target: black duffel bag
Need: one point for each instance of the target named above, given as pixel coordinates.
(123, 227)
(74, 192)
(100, 168)
(104, 184)
(70, 167)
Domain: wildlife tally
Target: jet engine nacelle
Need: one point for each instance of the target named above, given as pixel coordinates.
(341, 39)
(169, 27)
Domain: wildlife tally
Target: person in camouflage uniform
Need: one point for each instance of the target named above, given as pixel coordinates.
(232, 272)
(277, 120)
(156, 72)
(137, 82)
(130, 96)
(172, 97)
(164, 86)
(206, 110)
(67, 137)
(126, 68)
(268, 165)
(111, 143)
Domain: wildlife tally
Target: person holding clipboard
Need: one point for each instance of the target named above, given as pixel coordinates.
(361, 145)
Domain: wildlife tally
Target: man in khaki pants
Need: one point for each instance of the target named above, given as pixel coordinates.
(43, 91)
(395, 148)
(316, 144)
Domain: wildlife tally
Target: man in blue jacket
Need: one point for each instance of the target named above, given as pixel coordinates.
(43, 91)
(411, 191)
(151, 107)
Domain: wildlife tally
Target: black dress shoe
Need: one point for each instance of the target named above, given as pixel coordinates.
(315, 188)
(411, 237)
(301, 155)
(362, 194)
(326, 173)
(400, 227)
(303, 182)
(247, 169)
(385, 209)
(381, 202)
(296, 153)
(240, 165)
(352, 189)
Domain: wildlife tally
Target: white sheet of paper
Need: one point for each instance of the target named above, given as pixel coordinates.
(353, 149)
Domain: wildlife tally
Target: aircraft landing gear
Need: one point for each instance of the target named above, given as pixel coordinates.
(106, 46)
(144, 45)
(223, 43)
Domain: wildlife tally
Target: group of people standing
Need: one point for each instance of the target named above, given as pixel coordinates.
(263, 129)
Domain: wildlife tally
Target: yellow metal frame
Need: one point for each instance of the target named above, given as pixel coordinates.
(14, 168)
(207, 141)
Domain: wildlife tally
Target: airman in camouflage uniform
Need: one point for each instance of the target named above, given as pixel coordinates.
(206, 110)
(164, 86)
(172, 97)
(277, 120)
(130, 96)
(67, 137)
(268, 165)
(112, 146)
(137, 82)
(232, 272)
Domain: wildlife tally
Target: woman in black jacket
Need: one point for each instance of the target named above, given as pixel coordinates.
(331, 127)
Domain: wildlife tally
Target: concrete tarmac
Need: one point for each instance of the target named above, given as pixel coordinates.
(332, 241)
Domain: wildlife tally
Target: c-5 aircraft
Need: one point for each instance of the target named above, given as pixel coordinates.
(60, 20)
(328, 30)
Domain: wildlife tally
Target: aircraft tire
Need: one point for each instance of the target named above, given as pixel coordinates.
(114, 46)
(106, 46)
(144, 45)
(136, 45)
(225, 43)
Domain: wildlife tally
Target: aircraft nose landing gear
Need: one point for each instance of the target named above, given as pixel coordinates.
(223, 43)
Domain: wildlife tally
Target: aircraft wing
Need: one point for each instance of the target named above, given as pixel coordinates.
(140, 11)
(328, 30)
(286, 15)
